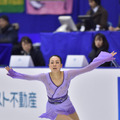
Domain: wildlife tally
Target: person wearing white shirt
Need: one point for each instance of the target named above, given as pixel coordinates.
(99, 17)
(98, 13)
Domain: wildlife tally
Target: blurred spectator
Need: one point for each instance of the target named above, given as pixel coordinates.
(26, 48)
(8, 32)
(114, 28)
(99, 44)
(99, 16)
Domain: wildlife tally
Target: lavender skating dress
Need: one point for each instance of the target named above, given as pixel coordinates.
(58, 99)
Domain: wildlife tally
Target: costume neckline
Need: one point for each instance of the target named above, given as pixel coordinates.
(54, 83)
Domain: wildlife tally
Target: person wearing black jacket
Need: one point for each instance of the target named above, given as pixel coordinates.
(26, 48)
(99, 44)
(99, 16)
(8, 32)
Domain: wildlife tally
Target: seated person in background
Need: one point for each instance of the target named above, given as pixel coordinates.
(99, 44)
(26, 48)
(8, 32)
(114, 28)
(99, 15)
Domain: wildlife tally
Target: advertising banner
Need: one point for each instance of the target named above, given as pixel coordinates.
(54, 7)
(11, 6)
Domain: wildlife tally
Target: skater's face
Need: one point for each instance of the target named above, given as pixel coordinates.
(55, 64)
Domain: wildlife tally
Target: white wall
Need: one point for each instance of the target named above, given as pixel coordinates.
(94, 95)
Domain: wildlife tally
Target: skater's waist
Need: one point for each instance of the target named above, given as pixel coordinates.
(57, 100)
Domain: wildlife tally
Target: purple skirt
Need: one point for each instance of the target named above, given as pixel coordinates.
(52, 110)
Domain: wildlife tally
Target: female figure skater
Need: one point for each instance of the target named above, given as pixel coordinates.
(59, 106)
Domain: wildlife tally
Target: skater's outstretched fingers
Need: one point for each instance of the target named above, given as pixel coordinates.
(113, 53)
(8, 68)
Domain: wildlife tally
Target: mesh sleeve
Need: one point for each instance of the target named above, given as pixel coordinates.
(14, 74)
(102, 58)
